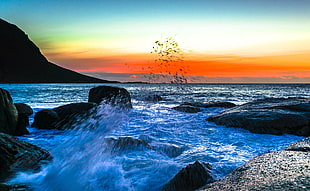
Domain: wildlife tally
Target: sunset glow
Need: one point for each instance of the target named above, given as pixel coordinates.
(218, 38)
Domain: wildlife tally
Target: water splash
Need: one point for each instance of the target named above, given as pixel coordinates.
(80, 162)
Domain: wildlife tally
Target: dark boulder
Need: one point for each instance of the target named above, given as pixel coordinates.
(24, 111)
(15, 187)
(73, 109)
(190, 178)
(281, 170)
(45, 119)
(114, 96)
(269, 116)
(187, 109)
(18, 155)
(224, 104)
(8, 113)
(62, 117)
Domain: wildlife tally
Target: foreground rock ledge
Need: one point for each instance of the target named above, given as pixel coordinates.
(288, 169)
(269, 116)
(18, 155)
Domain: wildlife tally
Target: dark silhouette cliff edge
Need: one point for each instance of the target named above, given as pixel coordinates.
(22, 62)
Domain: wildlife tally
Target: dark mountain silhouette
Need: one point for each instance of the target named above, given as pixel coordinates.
(22, 62)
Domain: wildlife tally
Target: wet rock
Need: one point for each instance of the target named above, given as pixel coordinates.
(72, 114)
(63, 117)
(18, 155)
(24, 111)
(223, 104)
(269, 116)
(8, 113)
(281, 170)
(187, 109)
(154, 98)
(15, 187)
(190, 178)
(114, 96)
(45, 119)
(126, 143)
(170, 150)
(74, 109)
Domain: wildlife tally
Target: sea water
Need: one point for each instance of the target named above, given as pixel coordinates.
(82, 160)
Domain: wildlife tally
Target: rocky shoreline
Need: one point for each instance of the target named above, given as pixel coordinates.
(287, 169)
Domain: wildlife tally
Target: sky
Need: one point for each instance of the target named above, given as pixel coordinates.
(221, 40)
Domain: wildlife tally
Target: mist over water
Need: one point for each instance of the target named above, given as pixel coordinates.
(84, 161)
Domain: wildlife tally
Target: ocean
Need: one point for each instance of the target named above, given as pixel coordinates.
(83, 162)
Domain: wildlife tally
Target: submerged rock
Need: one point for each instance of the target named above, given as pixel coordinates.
(8, 113)
(187, 109)
(269, 116)
(18, 155)
(114, 96)
(24, 111)
(281, 170)
(190, 178)
(129, 143)
(15, 187)
(170, 150)
(154, 98)
(126, 143)
(224, 104)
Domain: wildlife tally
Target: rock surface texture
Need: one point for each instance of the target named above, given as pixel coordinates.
(187, 109)
(62, 117)
(224, 104)
(269, 116)
(24, 111)
(114, 96)
(288, 169)
(18, 155)
(190, 178)
(8, 113)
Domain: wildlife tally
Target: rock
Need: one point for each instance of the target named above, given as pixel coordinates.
(224, 104)
(74, 109)
(18, 155)
(170, 150)
(281, 170)
(114, 96)
(154, 98)
(190, 178)
(8, 113)
(62, 117)
(14, 187)
(187, 109)
(269, 116)
(45, 119)
(24, 111)
(72, 114)
(125, 143)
